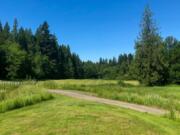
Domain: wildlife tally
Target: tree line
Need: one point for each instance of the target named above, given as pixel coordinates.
(28, 55)
(37, 56)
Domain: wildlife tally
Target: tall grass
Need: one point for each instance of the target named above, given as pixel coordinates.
(50, 84)
(8, 85)
(22, 101)
(15, 95)
(160, 97)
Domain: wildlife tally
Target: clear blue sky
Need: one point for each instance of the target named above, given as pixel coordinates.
(93, 28)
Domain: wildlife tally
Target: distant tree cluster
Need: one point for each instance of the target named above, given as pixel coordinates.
(115, 68)
(28, 55)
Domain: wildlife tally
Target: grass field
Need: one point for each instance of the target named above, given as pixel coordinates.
(26, 113)
(166, 97)
(67, 116)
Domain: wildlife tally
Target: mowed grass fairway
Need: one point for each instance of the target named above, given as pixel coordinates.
(63, 115)
(68, 116)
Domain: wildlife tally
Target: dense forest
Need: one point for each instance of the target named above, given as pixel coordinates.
(28, 55)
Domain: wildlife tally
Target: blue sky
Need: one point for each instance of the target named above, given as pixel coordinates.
(93, 28)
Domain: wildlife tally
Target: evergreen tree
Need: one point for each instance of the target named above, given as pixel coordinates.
(1, 33)
(65, 62)
(25, 38)
(15, 30)
(78, 66)
(46, 41)
(173, 52)
(150, 54)
(6, 31)
(48, 47)
(1, 27)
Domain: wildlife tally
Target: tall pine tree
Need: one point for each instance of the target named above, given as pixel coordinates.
(15, 30)
(49, 48)
(150, 60)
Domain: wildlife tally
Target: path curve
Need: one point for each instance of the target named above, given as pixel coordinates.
(85, 96)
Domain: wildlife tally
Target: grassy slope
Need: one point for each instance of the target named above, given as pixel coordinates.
(68, 116)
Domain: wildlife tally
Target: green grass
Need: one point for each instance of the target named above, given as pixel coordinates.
(72, 82)
(68, 116)
(15, 95)
(159, 96)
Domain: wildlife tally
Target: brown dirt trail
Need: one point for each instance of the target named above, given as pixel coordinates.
(85, 96)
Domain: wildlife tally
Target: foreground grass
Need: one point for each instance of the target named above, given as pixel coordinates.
(68, 116)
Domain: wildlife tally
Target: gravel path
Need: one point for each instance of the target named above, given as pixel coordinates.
(85, 96)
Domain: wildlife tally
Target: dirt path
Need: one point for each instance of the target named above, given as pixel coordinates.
(85, 96)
